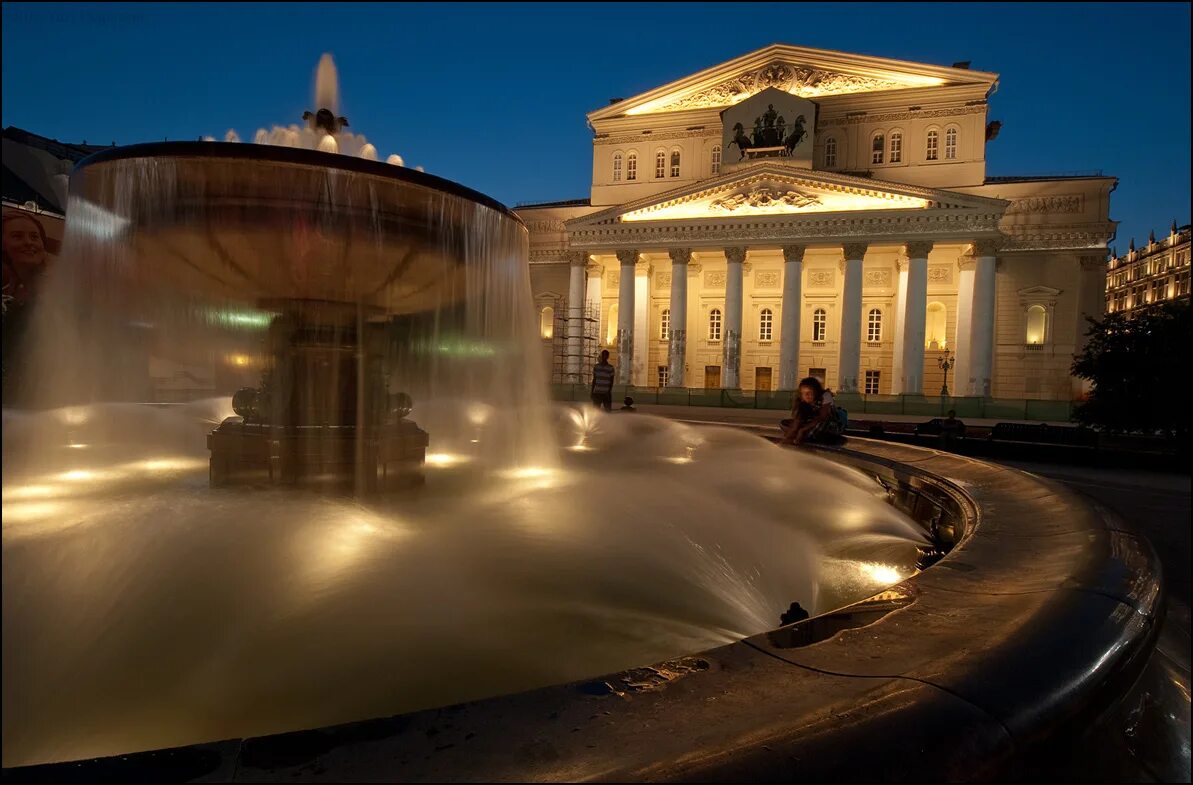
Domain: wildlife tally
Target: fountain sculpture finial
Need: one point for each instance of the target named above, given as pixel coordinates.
(325, 120)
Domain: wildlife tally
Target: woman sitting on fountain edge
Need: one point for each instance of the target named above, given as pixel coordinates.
(812, 417)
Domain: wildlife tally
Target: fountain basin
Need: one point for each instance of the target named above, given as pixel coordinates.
(1037, 622)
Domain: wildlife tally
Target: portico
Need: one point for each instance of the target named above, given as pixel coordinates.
(728, 299)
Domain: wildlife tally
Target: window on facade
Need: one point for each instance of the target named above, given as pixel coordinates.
(830, 152)
(660, 164)
(766, 320)
(714, 325)
(665, 325)
(675, 163)
(631, 166)
(876, 149)
(716, 159)
(1159, 290)
(935, 320)
(819, 322)
(664, 375)
(547, 322)
(1036, 319)
(950, 144)
(896, 147)
(617, 167)
(1182, 284)
(932, 149)
(874, 326)
(871, 387)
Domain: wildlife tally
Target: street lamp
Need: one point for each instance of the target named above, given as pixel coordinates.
(945, 362)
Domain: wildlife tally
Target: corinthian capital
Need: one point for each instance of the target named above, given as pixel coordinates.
(578, 258)
(735, 255)
(627, 257)
(794, 253)
(855, 250)
(680, 255)
(985, 247)
(917, 249)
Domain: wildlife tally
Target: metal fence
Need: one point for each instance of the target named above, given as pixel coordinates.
(857, 405)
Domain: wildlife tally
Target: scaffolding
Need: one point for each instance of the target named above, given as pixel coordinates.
(581, 355)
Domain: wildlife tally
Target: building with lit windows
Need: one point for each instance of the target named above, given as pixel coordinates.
(1156, 273)
(799, 212)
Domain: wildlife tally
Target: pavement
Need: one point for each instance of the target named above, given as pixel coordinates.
(770, 417)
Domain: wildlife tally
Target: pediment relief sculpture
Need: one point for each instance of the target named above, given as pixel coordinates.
(763, 197)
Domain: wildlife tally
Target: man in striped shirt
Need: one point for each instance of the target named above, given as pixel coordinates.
(602, 383)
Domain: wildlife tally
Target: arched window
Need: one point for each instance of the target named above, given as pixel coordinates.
(932, 152)
(611, 327)
(547, 322)
(660, 164)
(830, 152)
(819, 323)
(950, 144)
(675, 163)
(876, 148)
(934, 327)
(631, 166)
(617, 167)
(714, 325)
(716, 159)
(874, 326)
(896, 156)
(1036, 325)
(665, 325)
(766, 321)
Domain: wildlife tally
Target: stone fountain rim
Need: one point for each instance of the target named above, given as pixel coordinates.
(999, 650)
(294, 155)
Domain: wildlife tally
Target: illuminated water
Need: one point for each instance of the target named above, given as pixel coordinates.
(144, 609)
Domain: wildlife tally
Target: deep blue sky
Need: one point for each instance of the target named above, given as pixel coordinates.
(494, 96)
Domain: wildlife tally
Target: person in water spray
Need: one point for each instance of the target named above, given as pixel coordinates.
(813, 418)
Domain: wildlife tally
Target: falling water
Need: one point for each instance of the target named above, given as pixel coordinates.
(143, 608)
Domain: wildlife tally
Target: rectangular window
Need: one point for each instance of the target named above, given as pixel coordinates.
(714, 325)
(631, 168)
(716, 160)
(675, 164)
(830, 153)
(765, 323)
(933, 140)
(762, 378)
(819, 323)
(664, 375)
(1182, 284)
(872, 382)
(876, 150)
(660, 165)
(950, 144)
(896, 148)
(712, 377)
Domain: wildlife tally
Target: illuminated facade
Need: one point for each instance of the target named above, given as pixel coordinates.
(1156, 273)
(800, 212)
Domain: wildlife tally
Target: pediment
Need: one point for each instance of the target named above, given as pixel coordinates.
(800, 71)
(776, 190)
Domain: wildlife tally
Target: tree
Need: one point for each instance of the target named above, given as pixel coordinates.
(1139, 370)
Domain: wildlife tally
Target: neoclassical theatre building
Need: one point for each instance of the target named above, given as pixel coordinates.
(802, 212)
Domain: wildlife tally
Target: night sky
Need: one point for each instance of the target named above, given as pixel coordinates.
(494, 96)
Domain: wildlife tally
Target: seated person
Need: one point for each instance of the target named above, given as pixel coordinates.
(628, 405)
(812, 418)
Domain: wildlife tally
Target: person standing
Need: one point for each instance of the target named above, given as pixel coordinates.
(602, 382)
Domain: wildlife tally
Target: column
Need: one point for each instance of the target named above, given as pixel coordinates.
(577, 261)
(900, 307)
(640, 372)
(730, 377)
(913, 316)
(849, 356)
(592, 296)
(678, 339)
(625, 317)
(979, 378)
(791, 314)
(963, 345)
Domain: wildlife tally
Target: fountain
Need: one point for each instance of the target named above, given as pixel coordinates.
(351, 325)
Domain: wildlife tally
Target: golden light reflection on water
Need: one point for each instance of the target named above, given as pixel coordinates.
(883, 573)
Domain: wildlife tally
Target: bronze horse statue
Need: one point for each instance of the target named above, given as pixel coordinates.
(796, 136)
(741, 140)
